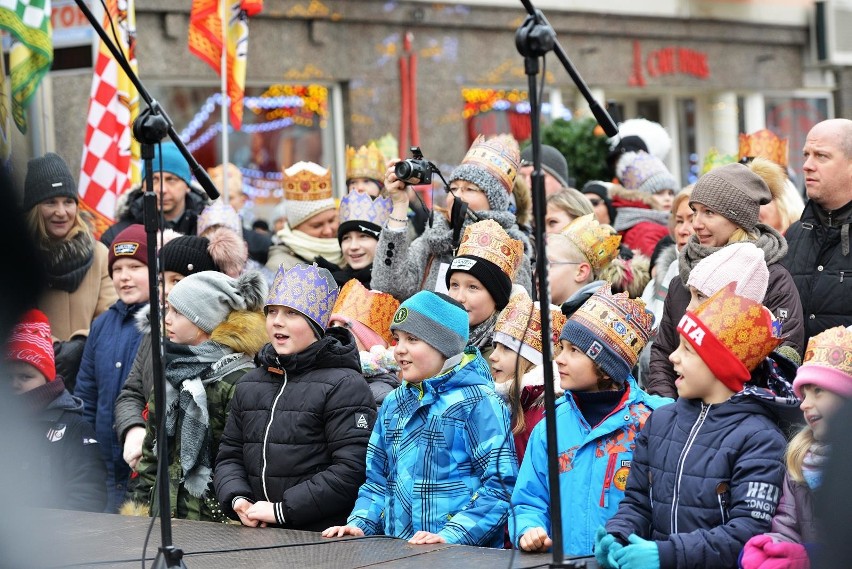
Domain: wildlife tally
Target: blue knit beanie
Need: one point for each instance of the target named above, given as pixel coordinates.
(436, 319)
(173, 161)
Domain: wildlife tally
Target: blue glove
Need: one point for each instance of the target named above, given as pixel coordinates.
(640, 554)
(605, 547)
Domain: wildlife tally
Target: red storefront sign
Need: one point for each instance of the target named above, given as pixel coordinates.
(668, 61)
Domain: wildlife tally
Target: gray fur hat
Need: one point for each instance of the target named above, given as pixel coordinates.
(208, 297)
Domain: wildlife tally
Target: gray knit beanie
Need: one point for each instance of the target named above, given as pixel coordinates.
(48, 177)
(734, 192)
(208, 297)
(498, 197)
(552, 161)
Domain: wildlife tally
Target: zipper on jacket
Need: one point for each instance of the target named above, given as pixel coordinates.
(266, 437)
(693, 433)
(610, 472)
(722, 495)
(651, 490)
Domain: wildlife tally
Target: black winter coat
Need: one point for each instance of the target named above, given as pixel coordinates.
(297, 434)
(704, 479)
(821, 268)
(782, 299)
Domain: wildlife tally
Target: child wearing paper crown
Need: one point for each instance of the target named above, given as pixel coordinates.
(110, 351)
(480, 278)
(707, 471)
(824, 383)
(214, 328)
(292, 453)
(516, 363)
(66, 469)
(597, 421)
(441, 463)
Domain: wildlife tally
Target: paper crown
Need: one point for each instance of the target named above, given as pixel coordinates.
(219, 213)
(307, 288)
(499, 155)
(361, 207)
(306, 181)
(371, 308)
(366, 162)
(519, 326)
(714, 159)
(827, 362)
(598, 243)
(766, 144)
(623, 323)
(487, 240)
(732, 334)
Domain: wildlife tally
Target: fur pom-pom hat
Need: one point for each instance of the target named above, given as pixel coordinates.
(208, 297)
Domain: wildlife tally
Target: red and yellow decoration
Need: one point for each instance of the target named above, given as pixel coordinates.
(372, 308)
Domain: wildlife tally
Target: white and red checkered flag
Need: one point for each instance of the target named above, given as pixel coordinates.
(110, 164)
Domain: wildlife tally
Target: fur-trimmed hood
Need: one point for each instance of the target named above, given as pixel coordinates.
(242, 331)
(622, 197)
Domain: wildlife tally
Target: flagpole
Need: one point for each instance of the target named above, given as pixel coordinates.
(225, 101)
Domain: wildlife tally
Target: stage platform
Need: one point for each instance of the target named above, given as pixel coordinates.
(75, 539)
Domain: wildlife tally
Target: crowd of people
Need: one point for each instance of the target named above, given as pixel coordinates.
(374, 368)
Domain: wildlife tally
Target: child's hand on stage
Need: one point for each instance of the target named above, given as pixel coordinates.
(425, 537)
(340, 531)
(535, 540)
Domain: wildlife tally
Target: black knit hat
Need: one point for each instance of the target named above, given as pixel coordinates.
(48, 177)
(496, 282)
(187, 255)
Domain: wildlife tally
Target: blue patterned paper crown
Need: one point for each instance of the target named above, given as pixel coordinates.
(361, 207)
(307, 288)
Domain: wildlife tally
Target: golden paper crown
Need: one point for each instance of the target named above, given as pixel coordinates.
(766, 144)
(714, 159)
(745, 327)
(487, 240)
(598, 243)
(306, 182)
(371, 308)
(521, 321)
(366, 162)
(500, 155)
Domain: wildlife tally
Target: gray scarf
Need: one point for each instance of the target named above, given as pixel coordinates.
(482, 334)
(68, 261)
(189, 370)
(772, 243)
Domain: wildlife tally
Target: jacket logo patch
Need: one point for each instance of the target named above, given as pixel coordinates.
(56, 433)
(594, 349)
(89, 441)
(619, 479)
(125, 249)
(361, 421)
(400, 315)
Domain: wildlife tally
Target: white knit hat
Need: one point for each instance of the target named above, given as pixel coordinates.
(742, 263)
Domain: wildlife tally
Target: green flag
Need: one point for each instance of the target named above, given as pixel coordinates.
(32, 55)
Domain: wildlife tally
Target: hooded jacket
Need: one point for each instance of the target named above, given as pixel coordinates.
(705, 479)
(441, 459)
(594, 463)
(297, 434)
(640, 226)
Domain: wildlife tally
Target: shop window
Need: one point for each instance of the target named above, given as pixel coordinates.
(690, 167)
(793, 117)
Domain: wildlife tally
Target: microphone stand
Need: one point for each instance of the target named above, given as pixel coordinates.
(533, 39)
(152, 125)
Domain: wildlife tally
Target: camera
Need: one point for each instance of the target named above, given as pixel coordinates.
(416, 170)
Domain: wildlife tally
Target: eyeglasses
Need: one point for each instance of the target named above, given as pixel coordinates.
(595, 203)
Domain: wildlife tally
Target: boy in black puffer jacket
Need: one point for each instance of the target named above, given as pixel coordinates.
(295, 443)
(707, 471)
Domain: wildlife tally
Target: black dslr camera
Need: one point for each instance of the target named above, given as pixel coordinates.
(416, 170)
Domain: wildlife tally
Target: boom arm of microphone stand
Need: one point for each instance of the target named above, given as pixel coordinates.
(199, 172)
(600, 113)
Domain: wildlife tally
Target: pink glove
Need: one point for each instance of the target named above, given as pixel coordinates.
(786, 555)
(753, 555)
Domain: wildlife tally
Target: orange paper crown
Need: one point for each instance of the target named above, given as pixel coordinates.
(499, 155)
(766, 144)
(487, 240)
(598, 243)
(306, 181)
(519, 326)
(366, 162)
(371, 308)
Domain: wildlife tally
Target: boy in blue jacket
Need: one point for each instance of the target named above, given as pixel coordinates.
(707, 471)
(441, 462)
(597, 422)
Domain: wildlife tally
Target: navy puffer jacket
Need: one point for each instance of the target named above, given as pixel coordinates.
(704, 479)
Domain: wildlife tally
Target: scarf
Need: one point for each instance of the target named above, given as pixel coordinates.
(189, 369)
(347, 273)
(39, 398)
(630, 216)
(772, 243)
(482, 334)
(814, 464)
(439, 236)
(67, 261)
(308, 248)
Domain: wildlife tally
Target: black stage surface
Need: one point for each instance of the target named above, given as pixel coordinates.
(75, 539)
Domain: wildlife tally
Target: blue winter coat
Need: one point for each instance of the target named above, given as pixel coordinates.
(705, 479)
(441, 459)
(107, 359)
(593, 468)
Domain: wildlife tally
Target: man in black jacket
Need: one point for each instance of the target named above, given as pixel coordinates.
(818, 257)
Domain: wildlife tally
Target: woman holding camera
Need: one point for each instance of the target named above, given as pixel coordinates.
(403, 266)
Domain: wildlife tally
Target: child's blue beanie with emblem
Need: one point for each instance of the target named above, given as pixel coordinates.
(436, 319)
